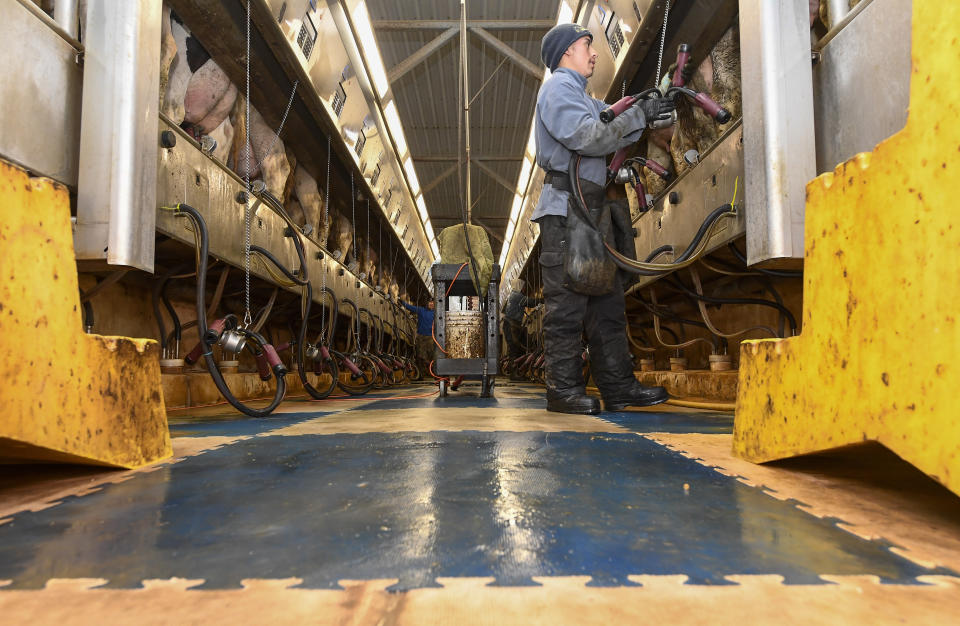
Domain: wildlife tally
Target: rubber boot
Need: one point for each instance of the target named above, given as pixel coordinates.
(613, 372)
(636, 394)
(566, 391)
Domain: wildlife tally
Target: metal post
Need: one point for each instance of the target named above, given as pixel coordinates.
(466, 99)
(778, 131)
(117, 181)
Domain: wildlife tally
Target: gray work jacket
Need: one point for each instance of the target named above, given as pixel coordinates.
(568, 120)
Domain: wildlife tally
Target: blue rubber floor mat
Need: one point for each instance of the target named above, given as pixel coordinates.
(235, 424)
(417, 506)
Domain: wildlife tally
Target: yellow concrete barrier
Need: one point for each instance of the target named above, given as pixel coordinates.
(876, 359)
(65, 396)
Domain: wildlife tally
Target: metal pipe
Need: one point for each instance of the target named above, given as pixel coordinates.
(54, 26)
(466, 99)
(65, 12)
(838, 25)
(837, 10)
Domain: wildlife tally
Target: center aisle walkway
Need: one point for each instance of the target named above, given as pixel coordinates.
(402, 507)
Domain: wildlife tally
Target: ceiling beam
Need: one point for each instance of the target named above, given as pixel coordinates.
(521, 61)
(489, 230)
(439, 179)
(433, 158)
(421, 55)
(486, 169)
(445, 24)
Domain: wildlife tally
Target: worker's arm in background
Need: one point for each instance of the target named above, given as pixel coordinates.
(570, 116)
(410, 307)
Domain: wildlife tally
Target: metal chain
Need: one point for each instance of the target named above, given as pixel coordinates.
(353, 215)
(247, 213)
(663, 40)
(366, 253)
(283, 120)
(326, 222)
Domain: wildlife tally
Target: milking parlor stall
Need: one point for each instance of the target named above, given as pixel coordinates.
(274, 315)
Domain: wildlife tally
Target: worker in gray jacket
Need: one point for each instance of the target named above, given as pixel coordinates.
(567, 122)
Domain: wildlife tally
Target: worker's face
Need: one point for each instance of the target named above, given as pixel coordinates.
(580, 57)
(431, 304)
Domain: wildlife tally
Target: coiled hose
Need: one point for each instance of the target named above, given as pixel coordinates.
(304, 282)
(209, 337)
(689, 256)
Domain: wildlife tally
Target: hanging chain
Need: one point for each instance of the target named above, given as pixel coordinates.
(366, 253)
(247, 213)
(283, 121)
(326, 222)
(623, 89)
(663, 40)
(353, 215)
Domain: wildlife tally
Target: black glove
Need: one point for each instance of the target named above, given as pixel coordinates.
(686, 72)
(656, 109)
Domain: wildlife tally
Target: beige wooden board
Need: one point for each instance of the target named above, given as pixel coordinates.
(566, 600)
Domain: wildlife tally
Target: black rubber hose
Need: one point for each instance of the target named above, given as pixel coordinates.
(87, 319)
(718, 342)
(574, 175)
(221, 384)
(301, 340)
(778, 273)
(155, 300)
(701, 233)
(177, 328)
(713, 300)
(658, 252)
(304, 281)
(665, 329)
(269, 256)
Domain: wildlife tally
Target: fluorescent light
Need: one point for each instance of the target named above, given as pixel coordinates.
(422, 209)
(512, 226)
(517, 204)
(411, 176)
(565, 14)
(396, 128)
(368, 43)
(436, 248)
(503, 254)
(524, 175)
(532, 142)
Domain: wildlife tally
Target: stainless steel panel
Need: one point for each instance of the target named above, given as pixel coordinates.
(778, 133)
(116, 190)
(185, 174)
(40, 96)
(862, 82)
(700, 190)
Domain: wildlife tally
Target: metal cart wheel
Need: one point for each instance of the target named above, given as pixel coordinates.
(443, 388)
